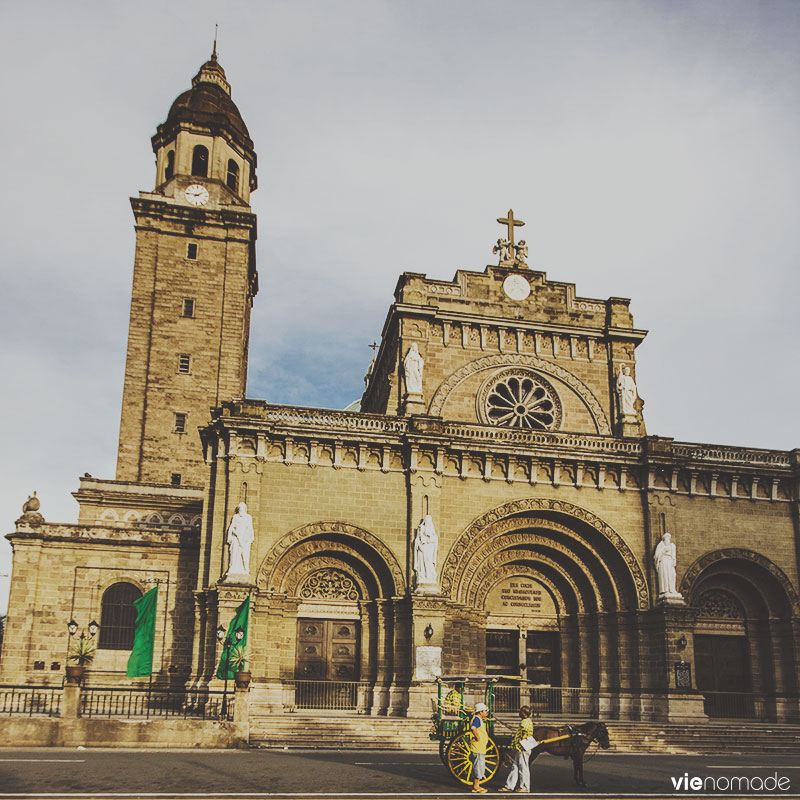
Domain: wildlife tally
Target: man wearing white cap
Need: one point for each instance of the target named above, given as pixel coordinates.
(477, 746)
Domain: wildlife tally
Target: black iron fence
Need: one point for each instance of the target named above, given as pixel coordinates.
(735, 705)
(144, 703)
(30, 700)
(546, 700)
(327, 695)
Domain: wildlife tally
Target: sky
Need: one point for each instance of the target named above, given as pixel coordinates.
(651, 148)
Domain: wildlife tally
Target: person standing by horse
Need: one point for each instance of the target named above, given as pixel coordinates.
(479, 740)
(519, 779)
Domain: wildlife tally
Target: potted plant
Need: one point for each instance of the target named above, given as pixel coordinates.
(82, 653)
(238, 663)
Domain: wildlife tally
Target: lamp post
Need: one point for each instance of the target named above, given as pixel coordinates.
(226, 643)
(82, 655)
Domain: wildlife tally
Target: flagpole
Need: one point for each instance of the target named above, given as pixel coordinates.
(149, 688)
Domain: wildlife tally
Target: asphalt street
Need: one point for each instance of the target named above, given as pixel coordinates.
(71, 773)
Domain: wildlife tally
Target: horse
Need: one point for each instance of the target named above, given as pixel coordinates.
(570, 741)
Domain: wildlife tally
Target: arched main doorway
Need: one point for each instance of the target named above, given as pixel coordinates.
(332, 589)
(556, 588)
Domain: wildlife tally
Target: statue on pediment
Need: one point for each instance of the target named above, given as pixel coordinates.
(426, 552)
(503, 247)
(240, 539)
(627, 392)
(413, 364)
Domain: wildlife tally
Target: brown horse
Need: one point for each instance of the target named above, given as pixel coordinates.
(573, 744)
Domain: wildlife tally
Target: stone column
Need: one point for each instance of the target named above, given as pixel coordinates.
(383, 638)
(241, 717)
(428, 615)
(606, 660)
(674, 703)
(198, 639)
(70, 701)
(627, 651)
(586, 642)
(398, 693)
(275, 641)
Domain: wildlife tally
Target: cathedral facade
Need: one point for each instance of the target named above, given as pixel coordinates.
(494, 506)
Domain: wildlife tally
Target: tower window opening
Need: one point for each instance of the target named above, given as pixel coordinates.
(191, 251)
(180, 422)
(188, 307)
(169, 171)
(233, 175)
(175, 479)
(200, 161)
(184, 362)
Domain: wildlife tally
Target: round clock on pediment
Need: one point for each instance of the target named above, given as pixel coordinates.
(516, 287)
(196, 194)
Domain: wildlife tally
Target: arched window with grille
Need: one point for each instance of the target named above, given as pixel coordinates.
(118, 616)
(200, 161)
(233, 175)
(169, 171)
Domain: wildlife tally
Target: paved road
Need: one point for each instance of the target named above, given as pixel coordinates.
(274, 774)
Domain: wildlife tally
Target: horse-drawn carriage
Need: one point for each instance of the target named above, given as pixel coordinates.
(456, 698)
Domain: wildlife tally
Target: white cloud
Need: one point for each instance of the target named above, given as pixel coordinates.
(651, 147)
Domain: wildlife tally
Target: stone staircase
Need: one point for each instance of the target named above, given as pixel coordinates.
(704, 738)
(345, 731)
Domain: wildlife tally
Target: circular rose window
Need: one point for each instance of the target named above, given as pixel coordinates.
(520, 399)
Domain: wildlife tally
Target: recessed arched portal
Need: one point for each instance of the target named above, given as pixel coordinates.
(557, 589)
(331, 590)
(743, 656)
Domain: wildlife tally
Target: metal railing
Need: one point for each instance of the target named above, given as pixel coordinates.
(145, 703)
(30, 700)
(735, 705)
(550, 701)
(327, 695)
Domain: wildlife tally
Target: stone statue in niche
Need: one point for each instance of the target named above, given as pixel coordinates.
(413, 364)
(426, 553)
(626, 391)
(240, 538)
(666, 561)
(503, 247)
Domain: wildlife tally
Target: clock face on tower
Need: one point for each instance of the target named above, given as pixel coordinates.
(196, 194)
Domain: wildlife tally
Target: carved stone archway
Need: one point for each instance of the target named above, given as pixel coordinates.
(696, 570)
(462, 549)
(516, 359)
(514, 531)
(373, 553)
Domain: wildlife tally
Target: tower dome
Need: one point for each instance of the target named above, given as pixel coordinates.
(207, 104)
(204, 136)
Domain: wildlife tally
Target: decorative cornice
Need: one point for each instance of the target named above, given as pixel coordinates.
(138, 536)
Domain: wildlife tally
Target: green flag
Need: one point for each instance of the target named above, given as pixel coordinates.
(141, 660)
(240, 620)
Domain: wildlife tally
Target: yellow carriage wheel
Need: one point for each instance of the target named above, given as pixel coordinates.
(461, 767)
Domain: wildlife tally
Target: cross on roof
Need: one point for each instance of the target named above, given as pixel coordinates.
(374, 347)
(511, 223)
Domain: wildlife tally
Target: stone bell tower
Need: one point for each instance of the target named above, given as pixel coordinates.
(194, 279)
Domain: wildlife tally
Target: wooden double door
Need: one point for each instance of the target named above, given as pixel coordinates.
(536, 653)
(327, 650)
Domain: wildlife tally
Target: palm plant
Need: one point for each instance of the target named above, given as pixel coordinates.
(237, 659)
(82, 652)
